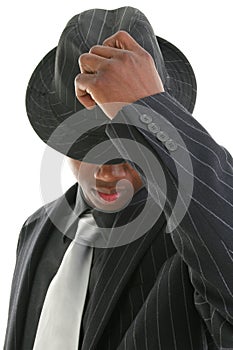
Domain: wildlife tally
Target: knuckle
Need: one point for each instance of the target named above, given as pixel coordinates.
(98, 83)
(107, 65)
(82, 58)
(146, 55)
(94, 48)
(127, 56)
(122, 34)
(78, 76)
(77, 79)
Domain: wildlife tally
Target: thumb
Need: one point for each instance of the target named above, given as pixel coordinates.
(122, 40)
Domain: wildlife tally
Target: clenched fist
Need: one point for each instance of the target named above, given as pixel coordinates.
(116, 73)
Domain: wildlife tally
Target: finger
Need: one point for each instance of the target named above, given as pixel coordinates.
(90, 63)
(83, 83)
(104, 51)
(122, 40)
(87, 101)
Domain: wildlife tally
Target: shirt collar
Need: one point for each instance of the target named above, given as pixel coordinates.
(81, 206)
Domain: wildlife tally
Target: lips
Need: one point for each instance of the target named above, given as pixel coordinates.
(108, 197)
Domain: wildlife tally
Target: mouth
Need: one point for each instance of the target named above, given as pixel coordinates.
(109, 196)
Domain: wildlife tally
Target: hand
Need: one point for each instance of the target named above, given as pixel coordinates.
(115, 74)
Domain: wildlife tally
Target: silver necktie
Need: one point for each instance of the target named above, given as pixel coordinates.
(60, 320)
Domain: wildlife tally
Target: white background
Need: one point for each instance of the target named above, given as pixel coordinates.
(29, 29)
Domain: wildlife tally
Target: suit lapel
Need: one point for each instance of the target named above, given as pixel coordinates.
(22, 283)
(34, 236)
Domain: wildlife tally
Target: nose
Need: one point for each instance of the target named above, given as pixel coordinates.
(110, 173)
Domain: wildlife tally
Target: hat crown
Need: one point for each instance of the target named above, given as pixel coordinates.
(51, 103)
(91, 28)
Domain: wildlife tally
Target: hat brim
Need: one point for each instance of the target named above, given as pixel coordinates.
(44, 119)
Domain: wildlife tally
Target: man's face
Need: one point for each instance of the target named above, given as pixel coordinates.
(107, 187)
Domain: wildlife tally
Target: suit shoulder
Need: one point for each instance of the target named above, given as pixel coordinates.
(42, 212)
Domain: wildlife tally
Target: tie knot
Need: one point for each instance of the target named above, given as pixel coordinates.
(87, 231)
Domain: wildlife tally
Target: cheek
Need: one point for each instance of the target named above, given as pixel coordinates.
(82, 179)
(74, 165)
(136, 178)
(85, 175)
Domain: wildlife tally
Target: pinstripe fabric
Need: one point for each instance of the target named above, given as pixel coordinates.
(204, 237)
(51, 100)
(163, 291)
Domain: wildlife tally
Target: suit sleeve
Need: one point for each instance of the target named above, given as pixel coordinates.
(203, 170)
(21, 238)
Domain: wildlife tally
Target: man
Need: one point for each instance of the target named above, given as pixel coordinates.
(166, 282)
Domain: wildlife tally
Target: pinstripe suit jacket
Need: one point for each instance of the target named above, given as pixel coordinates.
(163, 291)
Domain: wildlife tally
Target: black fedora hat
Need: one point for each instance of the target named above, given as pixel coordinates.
(52, 107)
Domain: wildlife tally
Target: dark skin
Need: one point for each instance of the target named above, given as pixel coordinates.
(105, 179)
(114, 74)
